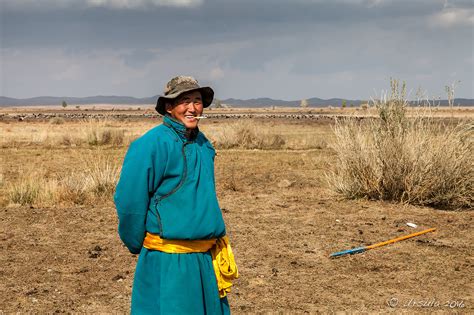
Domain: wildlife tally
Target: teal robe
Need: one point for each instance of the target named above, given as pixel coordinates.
(167, 187)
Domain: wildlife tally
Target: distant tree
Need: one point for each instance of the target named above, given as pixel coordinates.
(420, 95)
(304, 103)
(78, 107)
(450, 92)
(64, 104)
(217, 103)
(344, 104)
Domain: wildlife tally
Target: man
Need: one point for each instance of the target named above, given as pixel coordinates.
(169, 214)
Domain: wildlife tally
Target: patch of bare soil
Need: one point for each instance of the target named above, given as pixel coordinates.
(283, 225)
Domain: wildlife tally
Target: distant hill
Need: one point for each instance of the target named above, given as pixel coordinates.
(127, 100)
(53, 100)
(263, 102)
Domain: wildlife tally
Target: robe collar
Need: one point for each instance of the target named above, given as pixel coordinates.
(180, 129)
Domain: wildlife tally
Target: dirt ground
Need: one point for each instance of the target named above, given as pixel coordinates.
(283, 222)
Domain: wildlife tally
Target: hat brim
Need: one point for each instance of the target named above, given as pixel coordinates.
(207, 95)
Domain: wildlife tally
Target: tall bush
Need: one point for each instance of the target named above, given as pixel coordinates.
(416, 160)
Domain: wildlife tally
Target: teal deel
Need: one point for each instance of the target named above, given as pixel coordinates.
(167, 187)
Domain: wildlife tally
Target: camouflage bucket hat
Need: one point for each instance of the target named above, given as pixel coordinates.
(179, 85)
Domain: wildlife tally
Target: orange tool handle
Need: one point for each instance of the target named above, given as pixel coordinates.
(401, 238)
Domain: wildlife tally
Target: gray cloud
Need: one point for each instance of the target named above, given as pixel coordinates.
(284, 49)
(46, 5)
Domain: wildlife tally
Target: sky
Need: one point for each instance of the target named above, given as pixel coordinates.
(287, 50)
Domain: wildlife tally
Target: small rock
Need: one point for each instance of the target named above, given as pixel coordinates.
(284, 183)
(95, 252)
(32, 291)
(118, 278)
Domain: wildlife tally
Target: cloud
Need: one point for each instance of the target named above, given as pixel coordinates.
(45, 5)
(452, 16)
(132, 4)
(289, 49)
(62, 73)
(216, 73)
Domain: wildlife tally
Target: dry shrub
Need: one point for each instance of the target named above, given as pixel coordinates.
(57, 121)
(25, 191)
(246, 134)
(102, 175)
(101, 133)
(32, 188)
(306, 142)
(95, 183)
(73, 189)
(415, 160)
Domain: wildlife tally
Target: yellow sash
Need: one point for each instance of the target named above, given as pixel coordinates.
(222, 256)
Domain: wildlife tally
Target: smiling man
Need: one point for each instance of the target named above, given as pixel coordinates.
(187, 109)
(169, 214)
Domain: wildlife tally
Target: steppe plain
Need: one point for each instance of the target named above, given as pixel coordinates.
(61, 253)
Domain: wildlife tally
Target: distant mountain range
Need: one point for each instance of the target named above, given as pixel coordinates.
(127, 100)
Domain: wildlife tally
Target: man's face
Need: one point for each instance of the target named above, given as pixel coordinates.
(187, 107)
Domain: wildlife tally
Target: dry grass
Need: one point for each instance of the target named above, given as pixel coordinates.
(267, 135)
(33, 188)
(48, 164)
(103, 133)
(364, 164)
(241, 134)
(57, 121)
(247, 135)
(413, 160)
(94, 183)
(93, 132)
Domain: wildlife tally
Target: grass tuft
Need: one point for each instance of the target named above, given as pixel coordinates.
(415, 160)
(94, 184)
(247, 135)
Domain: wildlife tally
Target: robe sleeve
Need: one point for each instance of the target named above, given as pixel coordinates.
(141, 173)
